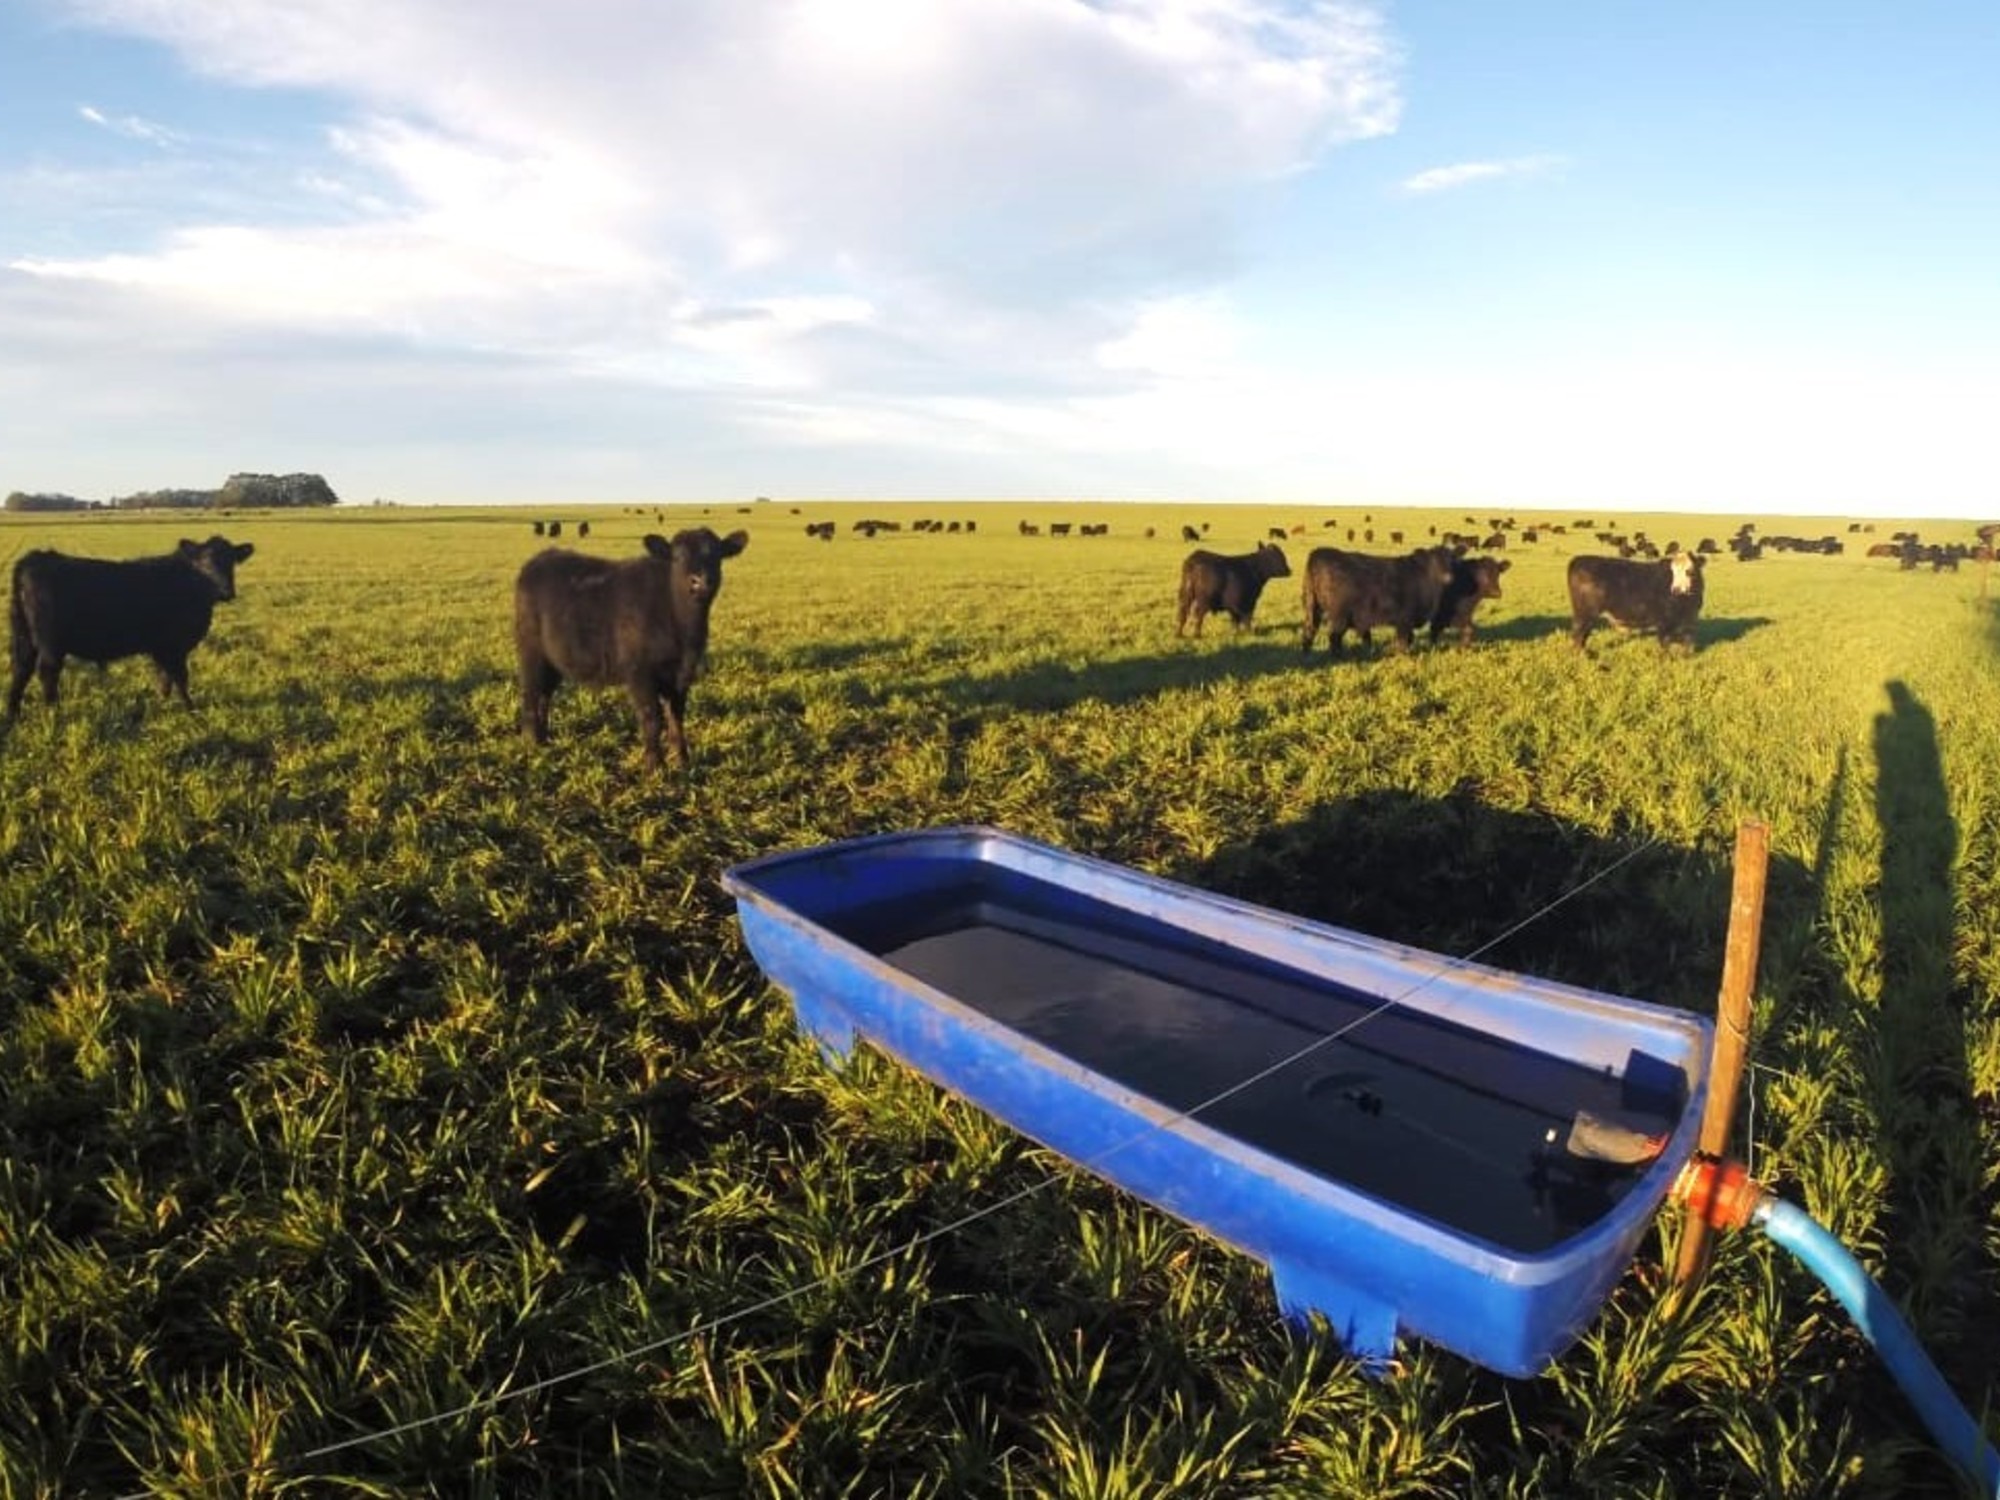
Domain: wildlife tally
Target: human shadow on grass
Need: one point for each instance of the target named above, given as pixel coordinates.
(1931, 1140)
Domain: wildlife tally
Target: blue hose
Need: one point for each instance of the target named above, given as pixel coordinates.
(1876, 1316)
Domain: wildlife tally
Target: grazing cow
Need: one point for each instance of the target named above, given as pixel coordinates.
(1277, 533)
(641, 622)
(1358, 591)
(158, 607)
(1472, 579)
(538, 528)
(583, 528)
(1230, 584)
(1060, 528)
(1659, 597)
(1189, 534)
(555, 528)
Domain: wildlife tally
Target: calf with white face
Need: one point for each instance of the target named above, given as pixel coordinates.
(1662, 598)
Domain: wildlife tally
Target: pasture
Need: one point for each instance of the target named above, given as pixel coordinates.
(373, 1085)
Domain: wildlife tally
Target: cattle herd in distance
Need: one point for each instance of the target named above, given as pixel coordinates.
(642, 623)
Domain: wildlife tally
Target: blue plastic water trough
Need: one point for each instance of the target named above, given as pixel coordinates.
(1474, 1165)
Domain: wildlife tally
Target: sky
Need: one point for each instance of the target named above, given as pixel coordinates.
(1540, 255)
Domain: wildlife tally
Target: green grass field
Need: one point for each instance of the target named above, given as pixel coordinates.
(372, 1086)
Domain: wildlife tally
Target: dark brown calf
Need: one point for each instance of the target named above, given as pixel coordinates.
(1211, 581)
(1473, 579)
(1359, 591)
(641, 623)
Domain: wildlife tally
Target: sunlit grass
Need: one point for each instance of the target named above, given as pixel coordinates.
(360, 1066)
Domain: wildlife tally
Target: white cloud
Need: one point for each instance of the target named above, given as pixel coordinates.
(822, 222)
(1188, 337)
(992, 178)
(1442, 179)
(132, 127)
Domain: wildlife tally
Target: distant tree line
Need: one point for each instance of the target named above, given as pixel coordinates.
(166, 500)
(275, 491)
(239, 492)
(21, 500)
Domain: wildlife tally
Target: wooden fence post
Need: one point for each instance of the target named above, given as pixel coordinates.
(1732, 1027)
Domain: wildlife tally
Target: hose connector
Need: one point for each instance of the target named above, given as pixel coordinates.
(1719, 1192)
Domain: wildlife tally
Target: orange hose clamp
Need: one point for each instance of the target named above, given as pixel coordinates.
(1721, 1193)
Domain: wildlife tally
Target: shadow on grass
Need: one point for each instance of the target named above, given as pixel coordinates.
(1523, 628)
(1055, 685)
(318, 705)
(1930, 1129)
(1709, 631)
(814, 656)
(220, 748)
(367, 689)
(1456, 876)
(117, 703)
(1050, 686)
(1523, 892)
